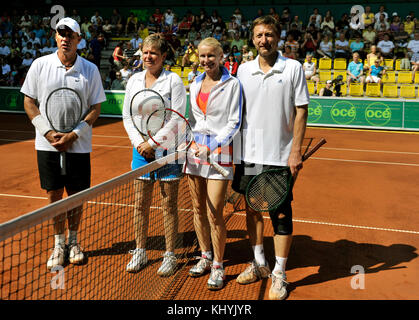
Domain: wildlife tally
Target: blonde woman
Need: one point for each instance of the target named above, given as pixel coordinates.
(171, 88)
(215, 116)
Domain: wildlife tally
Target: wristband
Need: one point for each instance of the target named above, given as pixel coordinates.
(81, 129)
(41, 124)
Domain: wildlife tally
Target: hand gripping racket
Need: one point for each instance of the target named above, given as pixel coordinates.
(64, 111)
(269, 189)
(171, 131)
(142, 104)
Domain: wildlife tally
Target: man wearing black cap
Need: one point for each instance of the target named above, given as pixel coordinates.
(63, 68)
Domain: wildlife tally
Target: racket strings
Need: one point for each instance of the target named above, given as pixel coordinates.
(64, 110)
(143, 104)
(269, 190)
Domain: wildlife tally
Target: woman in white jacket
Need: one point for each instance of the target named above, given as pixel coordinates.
(215, 116)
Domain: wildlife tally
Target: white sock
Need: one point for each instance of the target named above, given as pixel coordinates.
(72, 237)
(170, 253)
(208, 254)
(59, 240)
(216, 263)
(280, 264)
(259, 254)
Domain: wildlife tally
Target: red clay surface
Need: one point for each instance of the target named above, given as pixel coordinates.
(355, 204)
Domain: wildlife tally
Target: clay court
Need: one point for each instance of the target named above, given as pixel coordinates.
(355, 207)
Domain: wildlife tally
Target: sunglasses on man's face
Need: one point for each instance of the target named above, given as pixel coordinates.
(65, 33)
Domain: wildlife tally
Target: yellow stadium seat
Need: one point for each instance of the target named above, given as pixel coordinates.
(311, 87)
(408, 91)
(339, 64)
(325, 75)
(388, 64)
(389, 77)
(390, 90)
(186, 70)
(342, 73)
(344, 90)
(356, 89)
(185, 81)
(416, 77)
(404, 77)
(325, 64)
(398, 64)
(373, 90)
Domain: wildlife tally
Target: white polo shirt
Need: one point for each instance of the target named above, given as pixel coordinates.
(270, 101)
(46, 74)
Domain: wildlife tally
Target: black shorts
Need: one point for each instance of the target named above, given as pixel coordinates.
(77, 168)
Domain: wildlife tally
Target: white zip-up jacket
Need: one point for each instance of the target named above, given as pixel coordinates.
(223, 117)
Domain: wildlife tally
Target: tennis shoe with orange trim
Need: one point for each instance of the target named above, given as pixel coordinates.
(253, 273)
(76, 255)
(57, 257)
(278, 290)
(138, 261)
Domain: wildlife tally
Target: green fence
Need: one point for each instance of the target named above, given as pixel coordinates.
(395, 114)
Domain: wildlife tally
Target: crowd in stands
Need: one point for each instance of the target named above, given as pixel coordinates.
(372, 35)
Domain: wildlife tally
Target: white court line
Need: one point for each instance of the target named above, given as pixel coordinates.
(93, 145)
(241, 214)
(366, 150)
(367, 161)
(95, 135)
(342, 225)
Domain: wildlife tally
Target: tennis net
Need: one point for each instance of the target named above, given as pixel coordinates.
(106, 234)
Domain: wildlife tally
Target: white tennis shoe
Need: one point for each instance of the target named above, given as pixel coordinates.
(76, 255)
(57, 257)
(138, 261)
(168, 266)
(278, 290)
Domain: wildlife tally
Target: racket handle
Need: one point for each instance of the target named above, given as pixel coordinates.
(63, 163)
(219, 168)
(314, 149)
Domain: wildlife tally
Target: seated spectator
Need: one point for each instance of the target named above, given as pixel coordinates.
(233, 27)
(327, 26)
(409, 25)
(205, 31)
(217, 34)
(236, 53)
(137, 64)
(83, 43)
(237, 41)
(298, 23)
(415, 65)
(107, 29)
(132, 24)
(129, 52)
(342, 23)
(342, 49)
(247, 55)
(381, 12)
(28, 48)
(231, 65)
(405, 62)
(413, 45)
(310, 70)
(245, 29)
(296, 34)
(6, 72)
(369, 36)
(27, 61)
(48, 48)
(4, 49)
(326, 47)
(368, 17)
(190, 56)
(95, 18)
(386, 47)
(355, 70)
(220, 23)
(286, 16)
(238, 15)
(191, 36)
(316, 17)
(118, 83)
(309, 44)
(143, 31)
(400, 38)
(395, 23)
(118, 55)
(85, 25)
(169, 17)
(116, 22)
(125, 71)
(355, 25)
(382, 20)
(26, 21)
(376, 72)
(327, 91)
(193, 74)
(184, 26)
(372, 56)
(272, 12)
(288, 53)
(158, 16)
(135, 42)
(293, 44)
(358, 46)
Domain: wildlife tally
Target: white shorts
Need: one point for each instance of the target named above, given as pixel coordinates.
(373, 79)
(206, 171)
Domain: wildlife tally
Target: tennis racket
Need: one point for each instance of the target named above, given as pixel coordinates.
(269, 189)
(142, 104)
(64, 111)
(171, 131)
